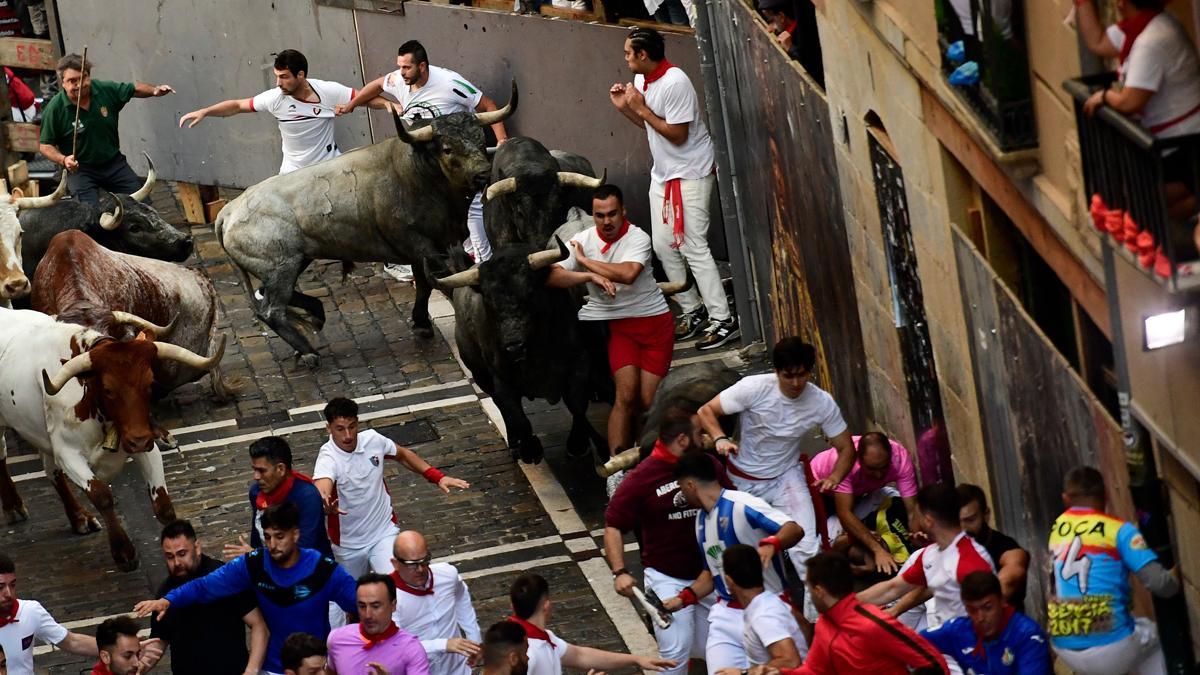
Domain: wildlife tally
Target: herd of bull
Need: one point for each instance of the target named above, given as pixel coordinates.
(114, 323)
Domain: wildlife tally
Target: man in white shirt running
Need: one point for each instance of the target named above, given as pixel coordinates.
(23, 620)
(613, 258)
(303, 106)
(775, 413)
(770, 633)
(424, 92)
(662, 100)
(548, 653)
(349, 476)
(433, 603)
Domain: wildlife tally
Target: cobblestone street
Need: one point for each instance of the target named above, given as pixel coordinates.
(513, 517)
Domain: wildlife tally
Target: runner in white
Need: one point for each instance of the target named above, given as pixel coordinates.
(425, 92)
(434, 604)
(727, 518)
(303, 106)
(349, 475)
(21, 621)
(771, 635)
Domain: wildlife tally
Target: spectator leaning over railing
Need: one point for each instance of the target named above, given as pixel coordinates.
(1160, 83)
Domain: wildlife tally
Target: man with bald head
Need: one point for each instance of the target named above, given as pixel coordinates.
(433, 603)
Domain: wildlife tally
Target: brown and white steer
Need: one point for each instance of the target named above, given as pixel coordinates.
(80, 281)
(67, 390)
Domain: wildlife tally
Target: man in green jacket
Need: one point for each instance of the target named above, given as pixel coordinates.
(94, 157)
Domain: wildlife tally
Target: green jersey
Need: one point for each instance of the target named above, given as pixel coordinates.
(98, 140)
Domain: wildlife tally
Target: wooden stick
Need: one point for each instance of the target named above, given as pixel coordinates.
(78, 100)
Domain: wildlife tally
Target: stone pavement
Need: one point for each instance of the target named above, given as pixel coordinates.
(415, 391)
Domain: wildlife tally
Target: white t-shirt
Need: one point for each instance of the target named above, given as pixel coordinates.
(673, 98)
(767, 620)
(444, 92)
(361, 492)
(33, 621)
(545, 656)
(440, 615)
(306, 126)
(1163, 60)
(772, 425)
(641, 298)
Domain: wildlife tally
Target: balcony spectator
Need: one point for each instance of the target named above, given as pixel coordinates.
(10, 25)
(1159, 74)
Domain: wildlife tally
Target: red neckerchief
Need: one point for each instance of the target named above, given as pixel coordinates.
(1132, 27)
(609, 242)
(531, 631)
(370, 641)
(276, 496)
(659, 70)
(100, 669)
(662, 453)
(402, 585)
(1009, 610)
(12, 617)
(672, 211)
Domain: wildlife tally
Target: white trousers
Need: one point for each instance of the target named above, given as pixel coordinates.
(478, 245)
(374, 558)
(1138, 653)
(448, 663)
(788, 492)
(725, 648)
(687, 635)
(694, 253)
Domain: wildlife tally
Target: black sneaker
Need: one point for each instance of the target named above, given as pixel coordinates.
(719, 333)
(690, 323)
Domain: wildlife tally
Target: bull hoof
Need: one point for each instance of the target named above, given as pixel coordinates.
(127, 561)
(86, 525)
(310, 361)
(578, 447)
(128, 565)
(423, 332)
(16, 515)
(530, 451)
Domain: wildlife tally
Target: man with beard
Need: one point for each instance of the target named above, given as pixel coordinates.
(292, 585)
(304, 107)
(23, 620)
(435, 605)
(221, 647)
(275, 481)
(119, 646)
(376, 643)
(505, 650)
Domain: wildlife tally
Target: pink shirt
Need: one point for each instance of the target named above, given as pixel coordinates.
(400, 654)
(857, 482)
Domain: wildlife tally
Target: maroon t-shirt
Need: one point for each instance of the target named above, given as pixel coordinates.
(645, 500)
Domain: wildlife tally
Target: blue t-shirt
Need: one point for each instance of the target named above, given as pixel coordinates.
(1021, 648)
(307, 498)
(1089, 596)
(292, 600)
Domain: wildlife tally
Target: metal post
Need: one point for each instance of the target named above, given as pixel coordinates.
(744, 289)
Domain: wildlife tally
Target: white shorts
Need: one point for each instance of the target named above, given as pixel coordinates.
(1138, 653)
(724, 648)
(687, 636)
(375, 558)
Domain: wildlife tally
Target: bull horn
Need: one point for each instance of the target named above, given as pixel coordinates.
(550, 256)
(494, 116)
(468, 277)
(187, 357)
(70, 370)
(151, 177)
(142, 324)
(581, 180)
(39, 202)
(422, 135)
(111, 221)
(670, 288)
(501, 187)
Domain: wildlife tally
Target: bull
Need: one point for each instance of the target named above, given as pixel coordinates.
(399, 201)
(119, 223)
(82, 399)
(80, 281)
(14, 283)
(532, 189)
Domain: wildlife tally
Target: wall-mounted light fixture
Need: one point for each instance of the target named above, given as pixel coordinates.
(1164, 330)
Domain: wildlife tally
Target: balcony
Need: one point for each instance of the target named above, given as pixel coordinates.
(972, 31)
(1123, 173)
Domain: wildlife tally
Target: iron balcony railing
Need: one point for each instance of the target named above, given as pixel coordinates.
(1123, 174)
(995, 41)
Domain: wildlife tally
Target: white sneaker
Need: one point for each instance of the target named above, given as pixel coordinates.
(399, 272)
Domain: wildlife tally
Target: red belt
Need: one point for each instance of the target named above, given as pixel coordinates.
(1172, 122)
(742, 474)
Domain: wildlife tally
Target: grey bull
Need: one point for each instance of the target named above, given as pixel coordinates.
(401, 200)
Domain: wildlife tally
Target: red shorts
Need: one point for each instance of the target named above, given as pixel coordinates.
(646, 342)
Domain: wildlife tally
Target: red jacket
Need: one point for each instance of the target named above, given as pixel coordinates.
(856, 638)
